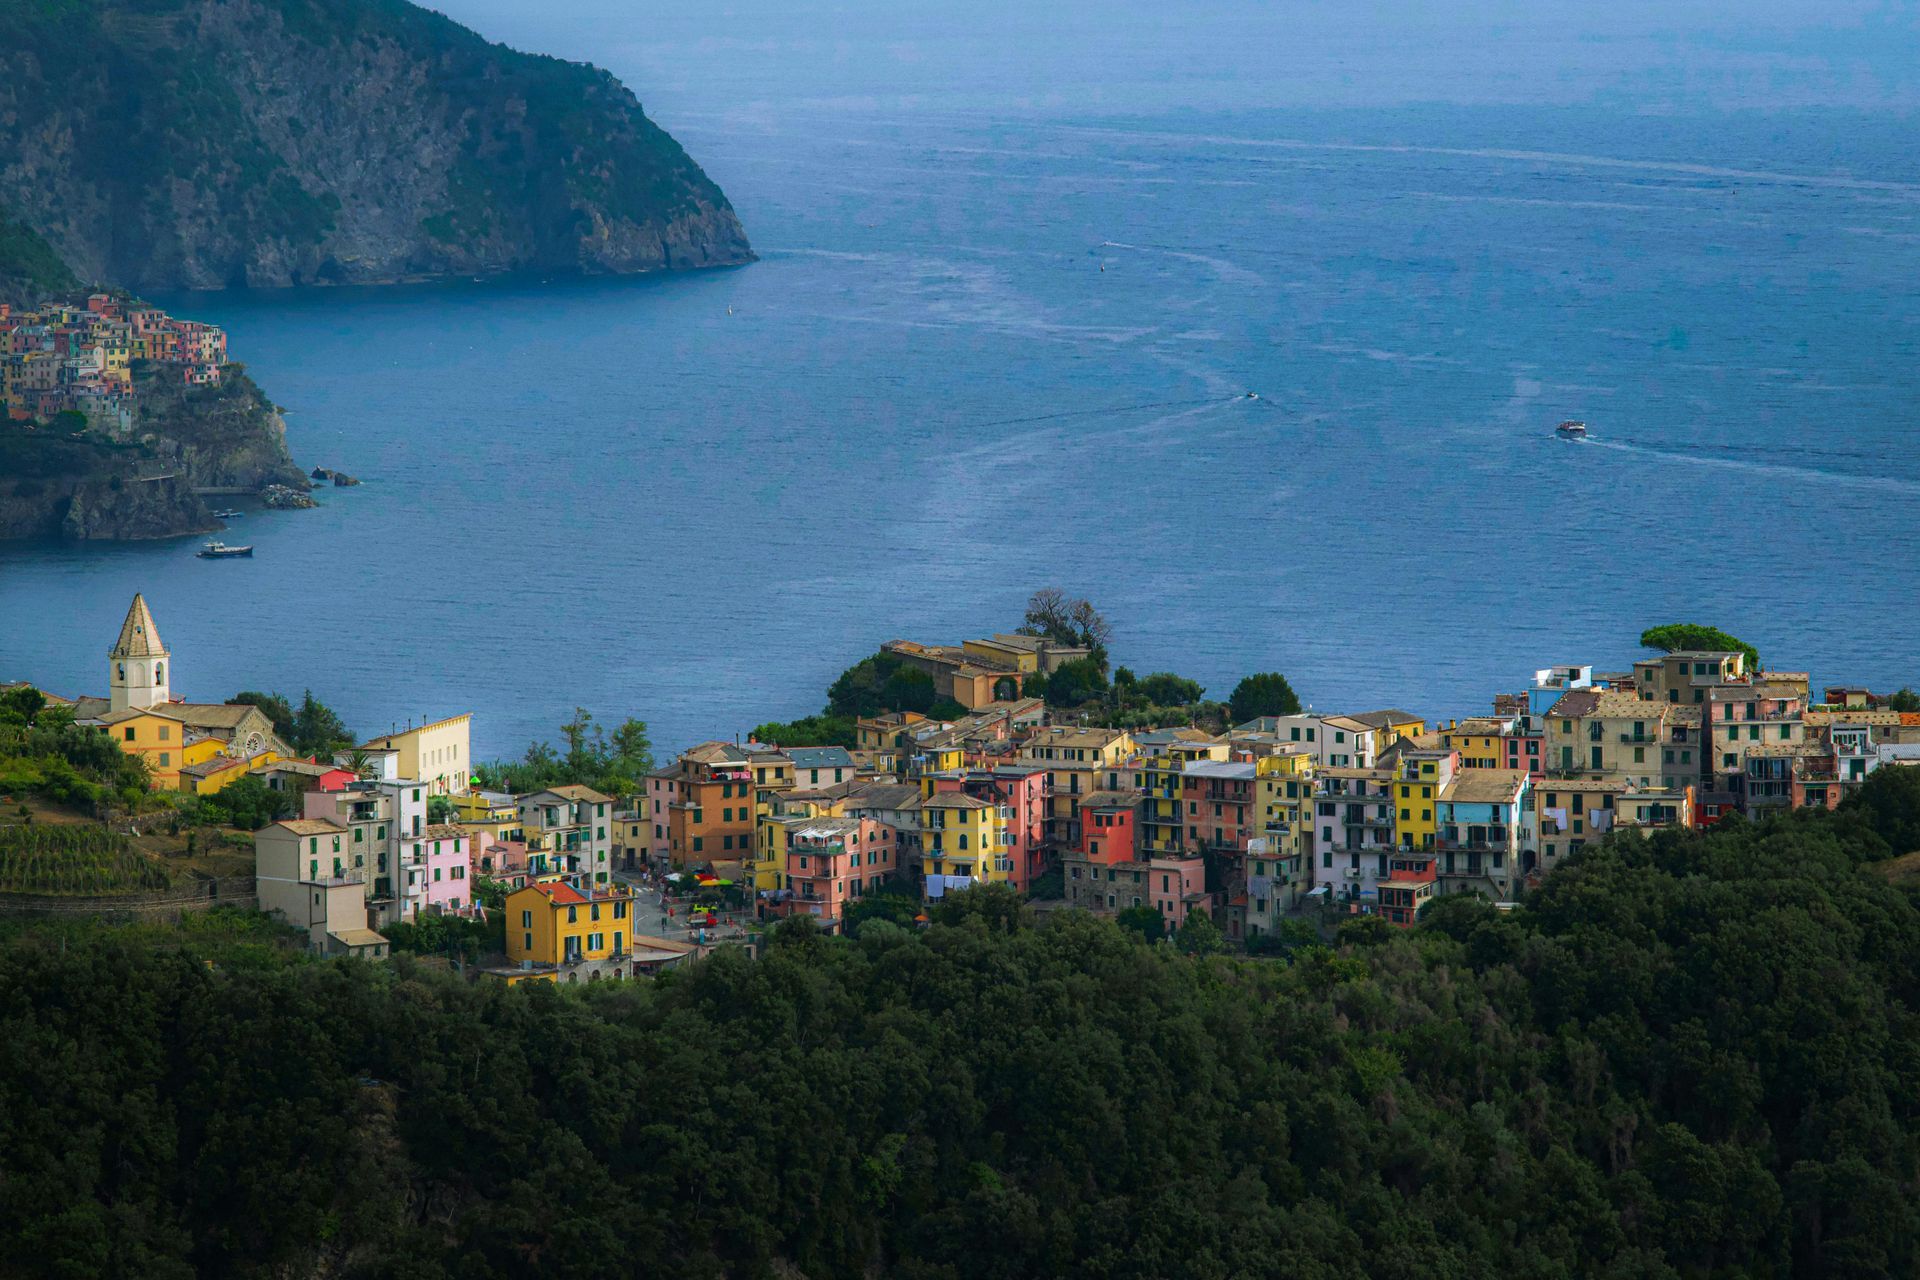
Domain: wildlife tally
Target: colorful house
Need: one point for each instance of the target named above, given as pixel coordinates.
(1485, 824)
(443, 854)
(571, 929)
(1420, 776)
(437, 753)
(831, 862)
(1409, 886)
(960, 843)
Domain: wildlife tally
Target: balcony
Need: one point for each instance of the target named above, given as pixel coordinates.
(1639, 739)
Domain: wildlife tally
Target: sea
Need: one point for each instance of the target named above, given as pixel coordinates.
(1251, 324)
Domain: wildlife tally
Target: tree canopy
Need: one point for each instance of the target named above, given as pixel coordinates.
(1066, 621)
(1267, 694)
(1676, 636)
(311, 729)
(613, 763)
(1687, 1055)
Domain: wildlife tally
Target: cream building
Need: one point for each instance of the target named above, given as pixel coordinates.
(436, 754)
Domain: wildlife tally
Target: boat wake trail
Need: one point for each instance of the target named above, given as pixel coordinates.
(1787, 470)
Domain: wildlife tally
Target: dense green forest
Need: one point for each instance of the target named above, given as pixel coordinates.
(30, 271)
(1686, 1056)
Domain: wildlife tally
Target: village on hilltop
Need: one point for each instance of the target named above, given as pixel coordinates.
(1294, 814)
(79, 358)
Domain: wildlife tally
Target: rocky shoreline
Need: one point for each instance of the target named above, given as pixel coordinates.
(192, 442)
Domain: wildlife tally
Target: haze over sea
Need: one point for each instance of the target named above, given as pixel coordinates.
(1020, 263)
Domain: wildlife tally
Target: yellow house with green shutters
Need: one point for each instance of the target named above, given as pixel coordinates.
(158, 739)
(961, 835)
(550, 922)
(1419, 778)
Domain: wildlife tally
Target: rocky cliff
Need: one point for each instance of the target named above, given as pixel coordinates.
(164, 144)
(86, 487)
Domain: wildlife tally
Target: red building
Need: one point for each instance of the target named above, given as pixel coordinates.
(1107, 827)
(1408, 887)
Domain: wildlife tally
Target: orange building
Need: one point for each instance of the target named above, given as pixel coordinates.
(711, 817)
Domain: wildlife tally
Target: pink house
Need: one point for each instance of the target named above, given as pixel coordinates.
(834, 861)
(655, 802)
(503, 860)
(443, 851)
(1176, 886)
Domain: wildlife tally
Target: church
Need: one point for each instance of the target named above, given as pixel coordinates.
(188, 746)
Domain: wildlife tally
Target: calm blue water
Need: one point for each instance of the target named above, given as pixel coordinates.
(1000, 341)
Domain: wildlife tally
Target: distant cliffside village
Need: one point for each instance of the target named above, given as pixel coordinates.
(80, 358)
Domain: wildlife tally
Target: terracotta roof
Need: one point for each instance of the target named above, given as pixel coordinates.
(1485, 786)
(164, 711)
(1387, 719)
(139, 638)
(311, 827)
(441, 831)
(574, 791)
(953, 800)
(1109, 799)
(214, 764)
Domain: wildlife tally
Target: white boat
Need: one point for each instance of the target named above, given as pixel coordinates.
(221, 551)
(1571, 430)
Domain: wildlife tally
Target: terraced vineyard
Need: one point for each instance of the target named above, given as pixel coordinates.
(74, 859)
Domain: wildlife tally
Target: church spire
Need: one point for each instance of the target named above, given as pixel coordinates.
(137, 663)
(139, 638)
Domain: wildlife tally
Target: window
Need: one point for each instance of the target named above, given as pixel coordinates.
(526, 942)
(166, 758)
(129, 732)
(698, 843)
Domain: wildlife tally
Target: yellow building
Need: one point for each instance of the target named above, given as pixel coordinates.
(1419, 777)
(550, 922)
(436, 754)
(158, 739)
(204, 777)
(962, 836)
(1278, 870)
(1392, 726)
(1479, 741)
(1158, 778)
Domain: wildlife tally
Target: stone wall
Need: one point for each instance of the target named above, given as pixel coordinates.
(168, 904)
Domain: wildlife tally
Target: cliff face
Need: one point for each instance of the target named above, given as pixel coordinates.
(228, 437)
(163, 144)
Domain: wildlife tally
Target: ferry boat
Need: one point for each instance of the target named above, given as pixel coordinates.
(1571, 430)
(221, 551)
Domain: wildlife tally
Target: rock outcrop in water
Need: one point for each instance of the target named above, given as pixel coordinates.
(166, 144)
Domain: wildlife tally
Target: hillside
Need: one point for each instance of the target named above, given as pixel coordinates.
(1688, 1056)
(168, 144)
(29, 268)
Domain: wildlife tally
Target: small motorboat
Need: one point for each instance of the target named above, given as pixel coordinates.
(1571, 430)
(221, 551)
(228, 514)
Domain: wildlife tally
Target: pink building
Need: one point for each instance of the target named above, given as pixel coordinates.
(1524, 750)
(1221, 812)
(656, 800)
(444, 858)
(834, 861)
(502, 860)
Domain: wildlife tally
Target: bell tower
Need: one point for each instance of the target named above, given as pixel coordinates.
(137, 664)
